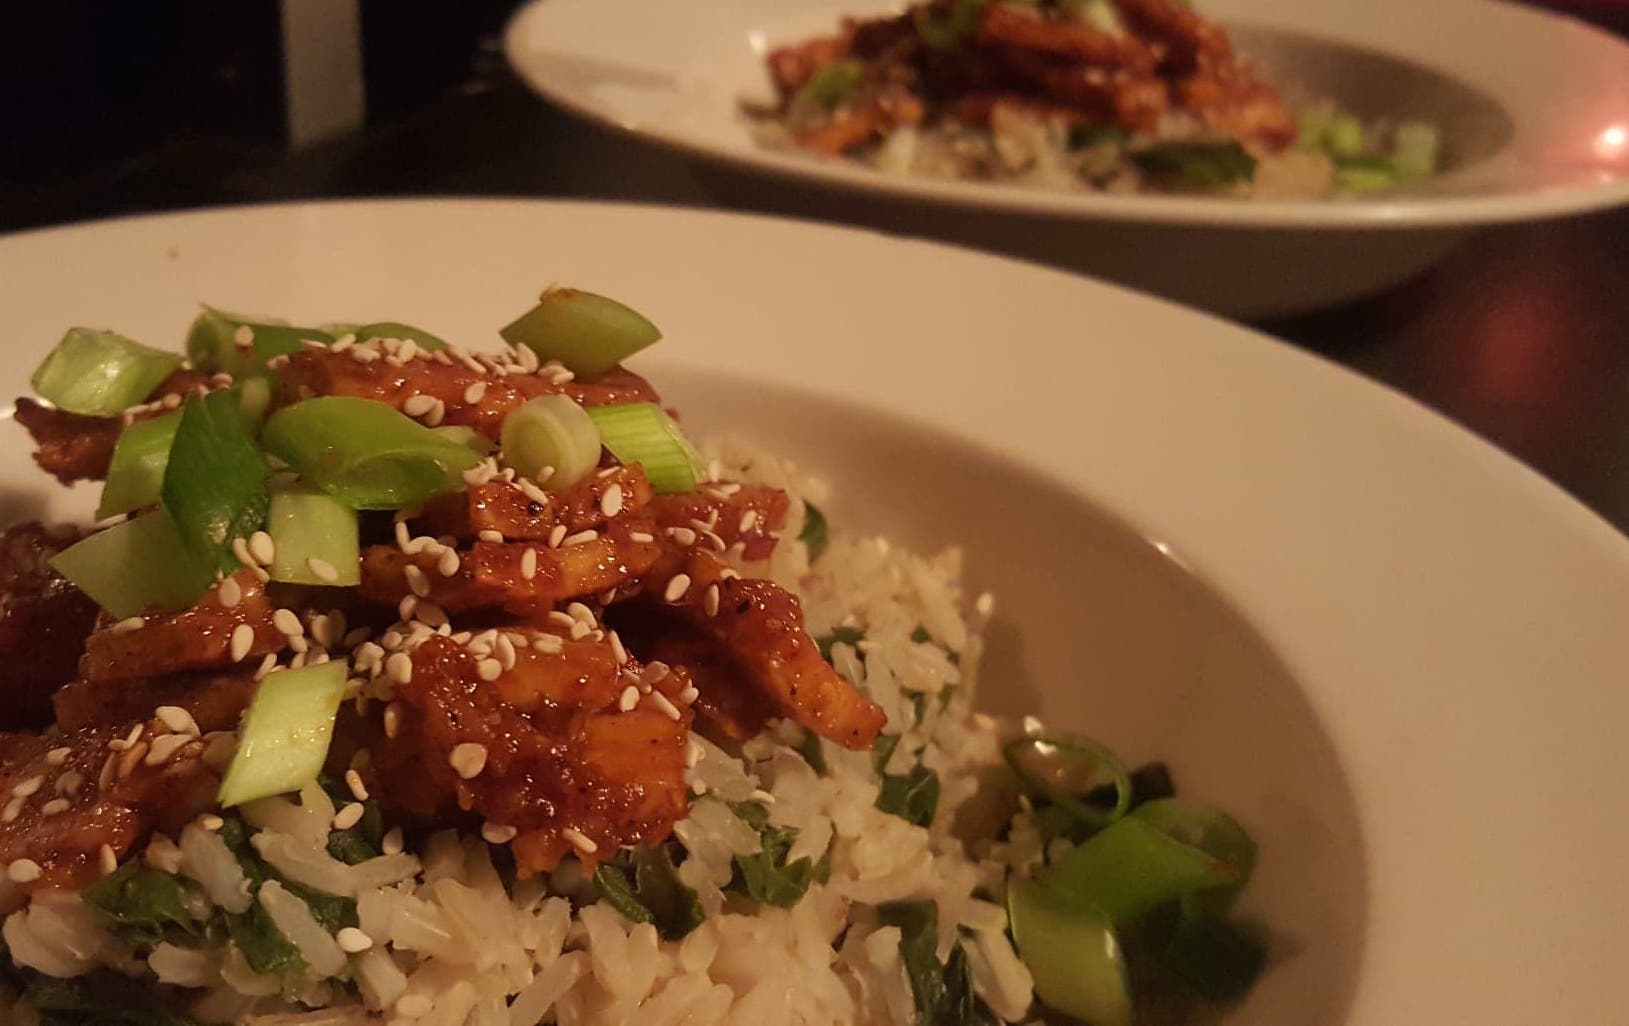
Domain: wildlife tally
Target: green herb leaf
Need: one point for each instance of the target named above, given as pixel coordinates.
(215, 480)
(961, 1006)
(140, 902)
(918, 923)
(1197, 164)
(813, 752)
(362, 841)
(100, 999)
(913, 796)
(618, 892)
(751, 813)
(674, 906)
(831, 86)
(948, 29)
(882, 749)
(816, 533)
(767, 877)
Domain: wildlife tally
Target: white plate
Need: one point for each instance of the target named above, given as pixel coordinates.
(1396, 653)
(1534, 105)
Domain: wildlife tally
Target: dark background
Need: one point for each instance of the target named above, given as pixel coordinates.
(120, 108)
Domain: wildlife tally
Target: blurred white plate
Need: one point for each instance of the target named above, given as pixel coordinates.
(1395, 653)
(1534, 109)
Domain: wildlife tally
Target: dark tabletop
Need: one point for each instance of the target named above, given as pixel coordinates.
(1519, 335)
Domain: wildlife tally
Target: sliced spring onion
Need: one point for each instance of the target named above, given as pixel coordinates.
(212, 341)
(1364, 174)
(394, 329)
(1131, 867)
(1067, 770)
(1344, 137)
(1314, 128)
(1414, 150)
(136, 472)
(312, 532)
(284, 737)
(1196, 164)
(1073, 954)
(587, 333)
(1209, 830)
(215, 481)
(643, 433)
(467, 437)
(947, 29)
(830, 86)
(99, 373)
(551, 440)
(365, 453)
(135, 565)
(254, 399)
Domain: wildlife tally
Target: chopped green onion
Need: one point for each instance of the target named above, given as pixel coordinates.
(393, 329)
(1073, 955)
(135, 565)
(1364, 174)
(552, 440)
(642, 433)
(285, 733)
(212, 341)
(1067, 770)
(1135, 865)
(254, 399)
(1344, 137)
(918, 925)
(365, 453)
(467, 437)
(1414, 147)
(1198, 164)
(815, 534)
(830, 86)
(136, 472)
(313, 533)
(950, 29)
(587, 333)
(1209, 830)
(1314, 128)
(215, 481)
(99, 373)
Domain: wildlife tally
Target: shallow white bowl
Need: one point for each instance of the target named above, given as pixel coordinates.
(1395, 653)
(1534, 109)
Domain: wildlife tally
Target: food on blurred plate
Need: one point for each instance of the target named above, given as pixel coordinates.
(403, 682)
(1111, 95)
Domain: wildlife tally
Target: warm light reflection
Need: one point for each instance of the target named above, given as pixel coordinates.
(1613, 142)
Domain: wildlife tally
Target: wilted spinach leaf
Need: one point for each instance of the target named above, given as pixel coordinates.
(913, 796)
(140, 903)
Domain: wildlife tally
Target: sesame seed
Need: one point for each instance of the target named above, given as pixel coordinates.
(689, 695)
(642, 537)
(103, 779)
(352, 941)
(399, 667)
(693, 753)
(28, 788)
(666, 706)
(491, 536)
(243, 335)
(416, 580)
(288, 622)
(467, 759)
(135, 735)
(433, 615)
(447, 565)
(131, 758)
(128, 624)
(489, 669)
(532, 491)
(393, 719)
(676, 587)
(580, 538)
(579, 840)
(438, 413)
(14, 808)
(549, 644)
(229, 593)
(322, 569)
(749, 520)
(556, 535)
(107, 860)
(528, 564)
(406, 606)
(210, 822)
(170, 401)
(164, 747)
(243, 639)
(361, 355)
(761, 796)
(611, 501)
(506, 651)
(654, 672)
(710, 601)
(356, 636)
(54, 806)
(262, 548)
(617, 649)
(404, 538)
(353, 780)
(391, 843)
(349, 816)
(496, 833)
(58, 756)
(629, 699)
(24, 871)
(418, 405)
(268, 663)
(682, 535)
(984, 605)
(475, 392)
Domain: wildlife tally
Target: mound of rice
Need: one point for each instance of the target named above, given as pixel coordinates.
(442, 940)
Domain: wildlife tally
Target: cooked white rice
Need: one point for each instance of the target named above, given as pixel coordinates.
(442, 942)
